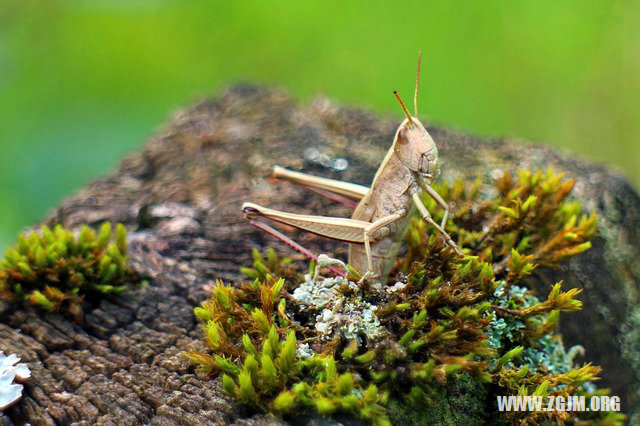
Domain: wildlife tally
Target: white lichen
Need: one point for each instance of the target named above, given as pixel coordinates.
(304, 351)
(11, 370)
(350, 315)
(398, 286)
(319, 293)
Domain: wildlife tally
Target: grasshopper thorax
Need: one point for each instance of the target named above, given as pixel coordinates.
(415, 148)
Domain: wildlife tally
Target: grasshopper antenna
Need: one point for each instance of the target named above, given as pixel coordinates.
(415, 94)
(404, 107)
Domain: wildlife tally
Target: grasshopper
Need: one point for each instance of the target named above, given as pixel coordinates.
(376, 228)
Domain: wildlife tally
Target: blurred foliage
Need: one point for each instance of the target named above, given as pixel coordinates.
(83, 82)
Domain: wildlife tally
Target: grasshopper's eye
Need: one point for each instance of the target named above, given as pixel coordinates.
(402, 136)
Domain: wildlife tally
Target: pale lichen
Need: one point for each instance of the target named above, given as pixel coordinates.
(350, 315)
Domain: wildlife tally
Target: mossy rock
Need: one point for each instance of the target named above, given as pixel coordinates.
(180, 199)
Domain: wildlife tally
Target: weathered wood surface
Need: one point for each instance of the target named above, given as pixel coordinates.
(180, 198)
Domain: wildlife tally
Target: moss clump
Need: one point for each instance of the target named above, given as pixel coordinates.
(538, 364)
(255, 347)
(55, 270)
(516, 225)
(461, 401)
(443, 321)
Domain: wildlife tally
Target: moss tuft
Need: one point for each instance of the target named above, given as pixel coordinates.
(54, 269)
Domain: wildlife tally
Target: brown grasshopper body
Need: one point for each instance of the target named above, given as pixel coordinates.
(391, 193)
(376, 228)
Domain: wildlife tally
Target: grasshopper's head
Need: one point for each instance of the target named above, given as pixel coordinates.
(413, 145)
(415, 148)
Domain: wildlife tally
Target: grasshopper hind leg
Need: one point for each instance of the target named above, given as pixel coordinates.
(293, 244)
(343, 229)
(346, 193)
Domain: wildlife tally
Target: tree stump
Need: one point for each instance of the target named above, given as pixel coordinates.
(180, 199)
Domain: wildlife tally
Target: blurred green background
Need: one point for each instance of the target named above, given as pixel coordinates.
(82, 83)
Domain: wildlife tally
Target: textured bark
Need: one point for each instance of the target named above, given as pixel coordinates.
(180, 199)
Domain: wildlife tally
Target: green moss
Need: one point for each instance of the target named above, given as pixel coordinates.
(462, 401)
(401, 350)
(55, 269)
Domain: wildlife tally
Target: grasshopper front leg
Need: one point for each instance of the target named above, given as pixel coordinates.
(424, 213)
(440, 201)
